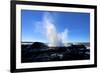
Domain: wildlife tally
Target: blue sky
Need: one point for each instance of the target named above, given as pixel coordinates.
(72, 26)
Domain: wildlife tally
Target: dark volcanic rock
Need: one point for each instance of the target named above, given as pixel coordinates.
(40, 52)
(78, 46)
(39, 45)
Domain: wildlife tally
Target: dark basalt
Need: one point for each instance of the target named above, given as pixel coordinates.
(39, 45)
(40, 52)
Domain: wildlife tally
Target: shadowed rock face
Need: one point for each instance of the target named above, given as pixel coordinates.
(40, 52)
(78, 46)
(39, 45)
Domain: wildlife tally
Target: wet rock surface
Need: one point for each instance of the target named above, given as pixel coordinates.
(40, 52)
